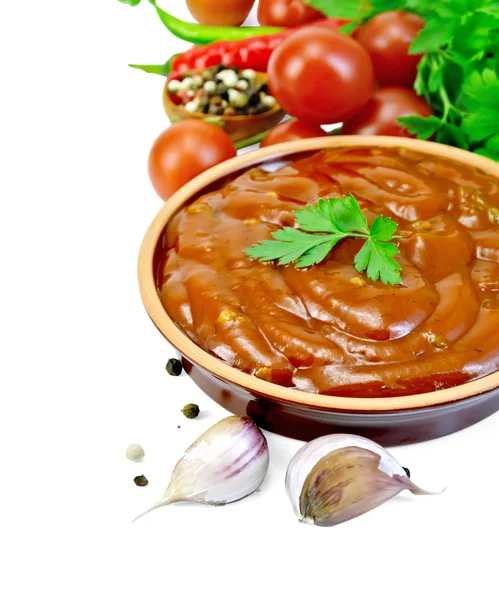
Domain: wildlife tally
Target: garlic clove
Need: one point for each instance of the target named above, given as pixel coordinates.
(338, 477)
(227, 463)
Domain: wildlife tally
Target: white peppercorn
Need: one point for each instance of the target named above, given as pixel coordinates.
(248, 74)
(197, 80)
(135, 452)
(230, 79)
(191, 106)
(209, 87)
(174, 86)
(242, 85)
(268, 100)
(186, 83)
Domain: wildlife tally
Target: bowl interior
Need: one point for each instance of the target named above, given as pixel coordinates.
(272, 158)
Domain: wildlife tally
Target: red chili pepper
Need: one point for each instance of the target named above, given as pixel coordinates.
(252, 53)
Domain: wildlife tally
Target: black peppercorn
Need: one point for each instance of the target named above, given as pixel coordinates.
(174, 367)
(140, 480)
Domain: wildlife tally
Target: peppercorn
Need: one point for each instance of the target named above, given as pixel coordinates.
(248, 74)
(140, 480)
(210, 87)
(221, 86)
(174, 367)
(135, 452)
(222, 89)
(190, 411)
(268, 101)
(261, 108)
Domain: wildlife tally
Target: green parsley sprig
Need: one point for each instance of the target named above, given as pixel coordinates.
(335, 219)
(459, 72)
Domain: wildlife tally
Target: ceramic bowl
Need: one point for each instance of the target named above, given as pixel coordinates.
(239, 127)
(299, 414)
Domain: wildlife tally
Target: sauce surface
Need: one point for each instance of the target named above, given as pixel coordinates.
(329, 329)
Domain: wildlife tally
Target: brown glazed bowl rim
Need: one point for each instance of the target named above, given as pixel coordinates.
(195, 354)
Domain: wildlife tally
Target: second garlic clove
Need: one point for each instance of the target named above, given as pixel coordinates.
(338, 477)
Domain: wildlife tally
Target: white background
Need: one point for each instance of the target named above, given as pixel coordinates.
(82, 369)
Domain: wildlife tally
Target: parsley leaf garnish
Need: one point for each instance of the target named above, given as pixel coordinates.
(334, 219)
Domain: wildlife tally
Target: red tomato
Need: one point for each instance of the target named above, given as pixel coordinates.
(291, 130)
(286, 13)
(320, 75)
(378, 116)
(220, 12)
(185, 150)
(387, 38)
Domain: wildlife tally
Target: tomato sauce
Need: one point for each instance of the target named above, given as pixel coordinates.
(329, 329)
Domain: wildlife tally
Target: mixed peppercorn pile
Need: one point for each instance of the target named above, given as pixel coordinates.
(221, 91)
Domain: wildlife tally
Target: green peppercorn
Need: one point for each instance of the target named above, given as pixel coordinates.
(191, 411)
(140, 480)
(174, 367)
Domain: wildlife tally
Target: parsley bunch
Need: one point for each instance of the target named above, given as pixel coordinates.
(459, 72)
(336, 219)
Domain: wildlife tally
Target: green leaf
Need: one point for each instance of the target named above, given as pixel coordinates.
(317, 218)
(435, 34)
(473, 35)
(424, 70)
(490, 7)
(484, 152)
(376, 257)
(130, 2)
(380, 6)
(357, 10)
(351, 26)
(482, 125)
(480, 96)
(382, 229)
(349, 215)
(453, 76)
(422, 127)
(316, 254)
(343, 9)
(481, 89)
(421, 7)
(288, 245)
(339, 218)
(492, 144)
(490, 149)
(458, 135)
(436, 78)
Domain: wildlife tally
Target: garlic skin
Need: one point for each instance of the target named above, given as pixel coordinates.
(339, 477)
(227, 463)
